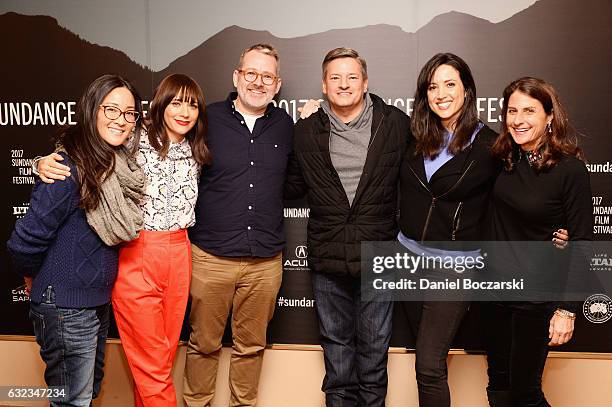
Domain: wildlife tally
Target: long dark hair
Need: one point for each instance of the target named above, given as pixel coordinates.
(561, 140)
(94, 158)
(426, 126)
(168, 89)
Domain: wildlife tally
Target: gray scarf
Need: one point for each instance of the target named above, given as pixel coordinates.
(118, 217)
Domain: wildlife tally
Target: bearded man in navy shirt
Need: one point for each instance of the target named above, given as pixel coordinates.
(238, 236)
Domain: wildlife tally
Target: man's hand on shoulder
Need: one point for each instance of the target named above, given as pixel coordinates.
(309, 108)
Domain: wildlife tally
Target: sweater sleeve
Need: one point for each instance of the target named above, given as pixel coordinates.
(578, 208)
(50, 206)
(578, 202)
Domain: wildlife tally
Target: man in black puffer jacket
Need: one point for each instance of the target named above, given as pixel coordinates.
(346, 161)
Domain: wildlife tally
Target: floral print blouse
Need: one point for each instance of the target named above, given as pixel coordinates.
(171, 187)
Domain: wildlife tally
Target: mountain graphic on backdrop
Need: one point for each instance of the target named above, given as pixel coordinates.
(553, 39)
(47, 59)
(534, 41)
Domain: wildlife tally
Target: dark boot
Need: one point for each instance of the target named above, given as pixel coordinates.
(499, 398)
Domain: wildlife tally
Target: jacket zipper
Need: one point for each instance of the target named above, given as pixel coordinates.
(375, 133)
(456, 220)
(429, 212)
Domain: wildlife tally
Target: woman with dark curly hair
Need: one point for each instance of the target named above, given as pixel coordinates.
(544, 184)
(66, 245)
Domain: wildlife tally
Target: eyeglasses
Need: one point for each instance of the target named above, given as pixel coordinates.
(113, 113)
(251, 76)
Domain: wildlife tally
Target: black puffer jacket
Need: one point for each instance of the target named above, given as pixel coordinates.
(335, 229)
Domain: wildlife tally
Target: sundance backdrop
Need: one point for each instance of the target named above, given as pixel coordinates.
(52, 50)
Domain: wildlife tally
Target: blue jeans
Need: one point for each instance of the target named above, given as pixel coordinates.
(72, 343)
(355, 338)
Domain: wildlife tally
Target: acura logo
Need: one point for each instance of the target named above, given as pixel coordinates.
(301, 252)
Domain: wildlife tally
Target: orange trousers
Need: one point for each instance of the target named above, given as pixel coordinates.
(149, 300)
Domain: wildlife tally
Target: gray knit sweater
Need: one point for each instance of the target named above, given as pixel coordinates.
(348, 145)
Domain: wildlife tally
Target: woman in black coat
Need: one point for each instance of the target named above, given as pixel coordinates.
(445, 181)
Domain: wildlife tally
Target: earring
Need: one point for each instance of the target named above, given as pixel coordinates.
(549, 127)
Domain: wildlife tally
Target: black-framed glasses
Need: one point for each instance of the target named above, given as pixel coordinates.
(113, 113)
(251, 76)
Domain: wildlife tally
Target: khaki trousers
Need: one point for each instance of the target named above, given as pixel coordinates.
(248, 287)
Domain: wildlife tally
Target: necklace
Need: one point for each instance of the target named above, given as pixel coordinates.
(533, 156)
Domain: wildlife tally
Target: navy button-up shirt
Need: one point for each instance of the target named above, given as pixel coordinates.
(239, 211)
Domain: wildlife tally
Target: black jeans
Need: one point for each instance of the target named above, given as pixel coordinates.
(435, 323)
(355, 338)
(516, 337)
